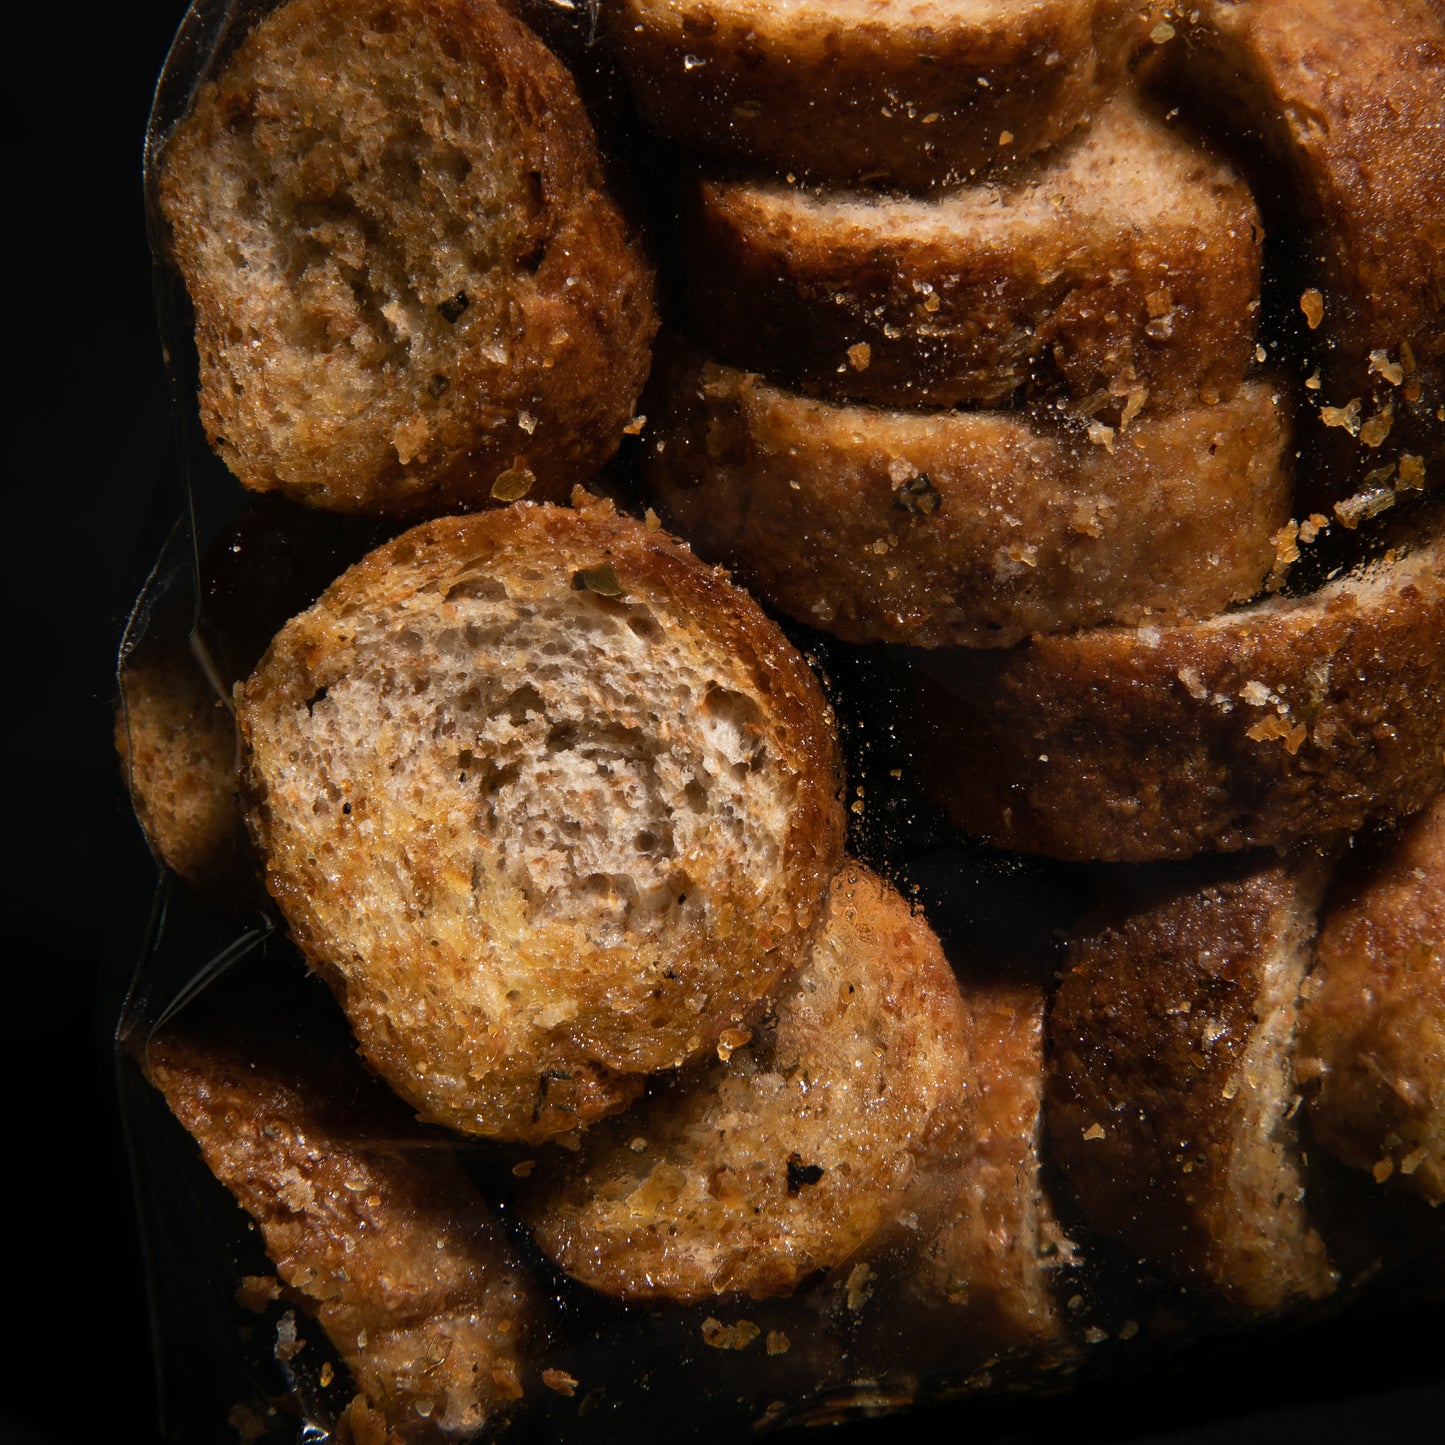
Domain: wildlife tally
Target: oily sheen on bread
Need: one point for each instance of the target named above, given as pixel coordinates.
(1124, 262)
(1171, 1082)
(967, 528)
(914, 93)
(794, 1153)
(1268, 724)
(372, 1225)
(550, 804)
(1372, 1027)
(408, 280)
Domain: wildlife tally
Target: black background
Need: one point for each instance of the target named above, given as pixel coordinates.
(88, 438)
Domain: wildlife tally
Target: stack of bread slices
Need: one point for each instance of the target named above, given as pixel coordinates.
(975, 356)
(1044, 411)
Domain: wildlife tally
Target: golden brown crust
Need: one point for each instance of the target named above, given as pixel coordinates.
(543, 835)
(370, 1222)
(799, 1151)
(967, 528)
(406, 276)
(1125, 263)
(1277, 722)
(878, 91)
(1170, 1086)
(1372, 1030)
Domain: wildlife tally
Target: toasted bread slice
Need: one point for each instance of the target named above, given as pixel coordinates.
(549, 803)
(407, 278)
(917, 94)
(175, 725)
(985, 1280)
(1372, 1032)
(176, 738)
(967, 528)
(1125, 263)
(1341, 101)
(1171, 1089)
(797, 1152)
(1349, 95)
(1265, 725)
(372, 1225)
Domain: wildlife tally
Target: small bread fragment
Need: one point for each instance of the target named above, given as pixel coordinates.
(407, 278)
(1265, 725)
(550, 804)
(913, 93)
(1171, 1091)
(372, 1225)
(797, 1151)
(1126, 262)
(969, 529)
(1372, 1031)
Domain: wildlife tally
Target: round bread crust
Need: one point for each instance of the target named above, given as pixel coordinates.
(407, 278)
(970, 529)
(177, 744)
(875, 92)
(1372, 1028)
(575, 842)
(797, 1152)
(1126, 262)
(1170, 1080)
(1277, 722)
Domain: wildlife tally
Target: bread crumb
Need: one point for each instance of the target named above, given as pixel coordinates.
(1412, 472)
(1383, 1169)
(523, 1169)
(651, 521)
(1095, 1336)
(1133, 405)
(1005, 137)
(1101, 435)
(560, 1381)
(1128, 1329)
(1094, 1131)
(860, 355)
(634, 427)
(1347, 416)
(861, 1284)
(1364, 505)
(1381, 365)
(328, 1374)
(1374, 431)
(729, 1337)
(1162, 33)
(1312, 381)
(1273, 728)
(410, 438)
(778, 1343)
(1313, 306)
